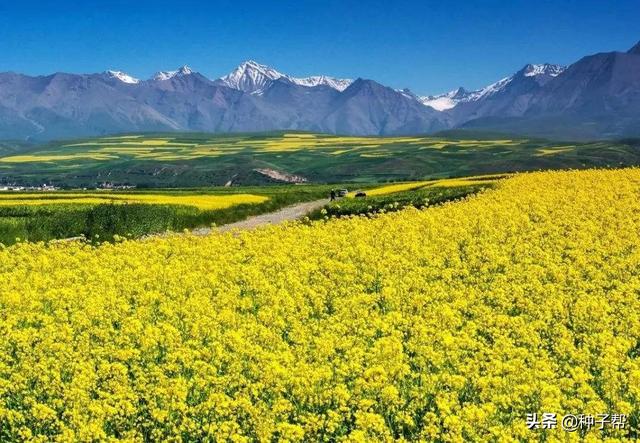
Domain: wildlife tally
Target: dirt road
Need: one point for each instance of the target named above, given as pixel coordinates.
(293, 212)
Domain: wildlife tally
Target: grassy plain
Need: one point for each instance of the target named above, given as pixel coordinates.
(188, 160)
(99, 215)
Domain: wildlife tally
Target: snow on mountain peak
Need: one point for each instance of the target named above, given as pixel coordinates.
(531, 70)
(441, 102)
(339, 84)
(123, 77)
(408, 94)
(166, 75)
(250, 76)
(253, 77)
(451, 99)
(250, 65)
(445, 101)
(491, 89)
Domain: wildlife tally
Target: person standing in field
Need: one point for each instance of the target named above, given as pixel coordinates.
(332, 196)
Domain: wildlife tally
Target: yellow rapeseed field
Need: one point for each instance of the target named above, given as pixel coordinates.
(200, 201)
(447, 183)
(554, 150)
(447, 324)
(397, 187)
(169, 149)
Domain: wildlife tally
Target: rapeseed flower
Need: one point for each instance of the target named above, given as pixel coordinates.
(449, 324)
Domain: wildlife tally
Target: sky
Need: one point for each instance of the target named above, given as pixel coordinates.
(426, 46)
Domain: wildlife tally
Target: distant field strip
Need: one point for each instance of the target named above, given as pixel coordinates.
(400, 187)
(204, 202)
(446, 183)
(554, 150)
(192, 160)
(176, 148)
(467, 181)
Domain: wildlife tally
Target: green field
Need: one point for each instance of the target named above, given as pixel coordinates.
(393, 198)
(201, 179)
(102, 215)
(194, 160)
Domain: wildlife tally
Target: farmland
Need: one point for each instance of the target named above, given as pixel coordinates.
(395, 197)
(200, 201)
(101, 215)
(450, 323)
(197, 160)
(456, 297)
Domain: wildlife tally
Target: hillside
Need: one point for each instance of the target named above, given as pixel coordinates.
(184, 160)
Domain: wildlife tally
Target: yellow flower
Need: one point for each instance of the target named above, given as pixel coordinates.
(449, 323)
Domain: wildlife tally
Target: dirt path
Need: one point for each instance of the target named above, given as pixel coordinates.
(288, 213)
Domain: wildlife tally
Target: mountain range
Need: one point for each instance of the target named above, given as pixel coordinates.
(596, 97)
(531, 76)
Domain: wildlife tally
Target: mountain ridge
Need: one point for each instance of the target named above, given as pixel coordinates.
(597, 96)
(76, 105)
(449, 100)
(253, 77)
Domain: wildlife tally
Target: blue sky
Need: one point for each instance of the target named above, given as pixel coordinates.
(427, 46)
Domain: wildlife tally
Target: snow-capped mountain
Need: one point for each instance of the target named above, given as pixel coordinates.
(339, 84)
(598, 96)
(250, 77)
(449, 100)
(446, 101)
(78, 105)
(509, 98)
(166, 75)
(123, 77)
(253, 77)
(543, 69)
